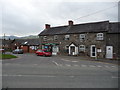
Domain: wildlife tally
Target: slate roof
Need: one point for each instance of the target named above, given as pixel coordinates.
(28, 41)
(102, 26)
(114, 27)
(6, 42)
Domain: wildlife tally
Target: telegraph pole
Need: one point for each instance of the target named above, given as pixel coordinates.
(4, 44)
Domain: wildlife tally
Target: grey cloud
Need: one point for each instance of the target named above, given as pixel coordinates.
(30, 17)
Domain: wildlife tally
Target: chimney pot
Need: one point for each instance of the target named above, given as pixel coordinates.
(47, 26)
(70, 22)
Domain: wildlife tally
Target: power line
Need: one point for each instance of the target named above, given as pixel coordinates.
(95, 12)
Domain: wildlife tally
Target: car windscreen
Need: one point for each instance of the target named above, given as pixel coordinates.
(39, 51)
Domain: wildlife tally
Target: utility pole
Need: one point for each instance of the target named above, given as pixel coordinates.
(4, 44)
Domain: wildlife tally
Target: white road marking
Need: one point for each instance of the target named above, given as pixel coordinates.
(106, 66)
(68, 60)
(74, 61)
(65, 60)
(99, 66)
(67, 65)
(113, 66)
(27, 75)
(84, 65)
(92, 66)
(76, 65)
(46, 76)
(115, 77)
(55, 63)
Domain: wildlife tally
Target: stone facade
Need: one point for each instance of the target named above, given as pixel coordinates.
(89, 41)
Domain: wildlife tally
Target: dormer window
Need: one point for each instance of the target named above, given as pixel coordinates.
(67, 37)
(45, 38)
(99, 36)
(82, 37)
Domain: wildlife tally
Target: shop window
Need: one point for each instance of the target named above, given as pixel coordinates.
(99, 36)
(67, 37)
(82, 48)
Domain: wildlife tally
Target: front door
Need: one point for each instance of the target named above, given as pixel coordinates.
(93, 51)
(109, 52)
(72, 50)
(55, 50)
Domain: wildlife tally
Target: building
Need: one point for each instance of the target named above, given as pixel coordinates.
(97, 39)
(28, 45)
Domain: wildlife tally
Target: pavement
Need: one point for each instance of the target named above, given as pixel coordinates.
(31, 71)
(111, 61)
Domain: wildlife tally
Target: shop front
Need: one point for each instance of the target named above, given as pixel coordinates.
(52, 47)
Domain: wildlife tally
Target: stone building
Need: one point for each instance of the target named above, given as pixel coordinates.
(97, 39)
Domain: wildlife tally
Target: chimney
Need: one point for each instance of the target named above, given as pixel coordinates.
(70, 23)
(47, 26)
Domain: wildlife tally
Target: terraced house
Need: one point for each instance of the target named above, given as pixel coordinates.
(96, 39)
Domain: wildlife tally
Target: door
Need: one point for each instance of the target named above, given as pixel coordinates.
(93, 51)
(109, 52)
(55, 50)
(72, 50)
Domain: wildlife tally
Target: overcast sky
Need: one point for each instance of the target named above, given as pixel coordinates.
(28, 17)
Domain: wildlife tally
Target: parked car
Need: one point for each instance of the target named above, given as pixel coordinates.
(2, 50)
(43, 52)
(18, 51)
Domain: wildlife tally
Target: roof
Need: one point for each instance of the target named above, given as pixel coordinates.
(114, 27)
(102, 26)
(5, 42)
(28, 41)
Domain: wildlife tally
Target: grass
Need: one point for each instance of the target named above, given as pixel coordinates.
(7, 56)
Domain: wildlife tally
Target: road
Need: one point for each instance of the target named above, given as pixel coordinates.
(31, 71)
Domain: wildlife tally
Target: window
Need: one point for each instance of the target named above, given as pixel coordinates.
(82, 36)
(67, 37)
(55, 37)
(99, 36)
(82, 48)
(45, 38)
(67, 48)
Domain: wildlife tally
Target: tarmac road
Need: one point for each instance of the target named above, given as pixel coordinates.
(31, 71)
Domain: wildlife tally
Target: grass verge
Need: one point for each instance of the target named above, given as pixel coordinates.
(7, 56)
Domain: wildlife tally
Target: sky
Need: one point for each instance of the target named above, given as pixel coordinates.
(28, 17)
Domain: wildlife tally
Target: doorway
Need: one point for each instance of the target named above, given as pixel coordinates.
(109, 52)
(93, 51)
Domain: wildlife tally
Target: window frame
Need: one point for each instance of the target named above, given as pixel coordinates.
(55, 37)
(82, 36)
(44, 38)
(82, 49)
(67, 37)
(100, 36)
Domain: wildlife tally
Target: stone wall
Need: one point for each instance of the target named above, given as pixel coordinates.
(89, 40)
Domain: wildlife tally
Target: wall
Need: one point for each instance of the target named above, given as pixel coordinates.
(112, 40)
(89, 40)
